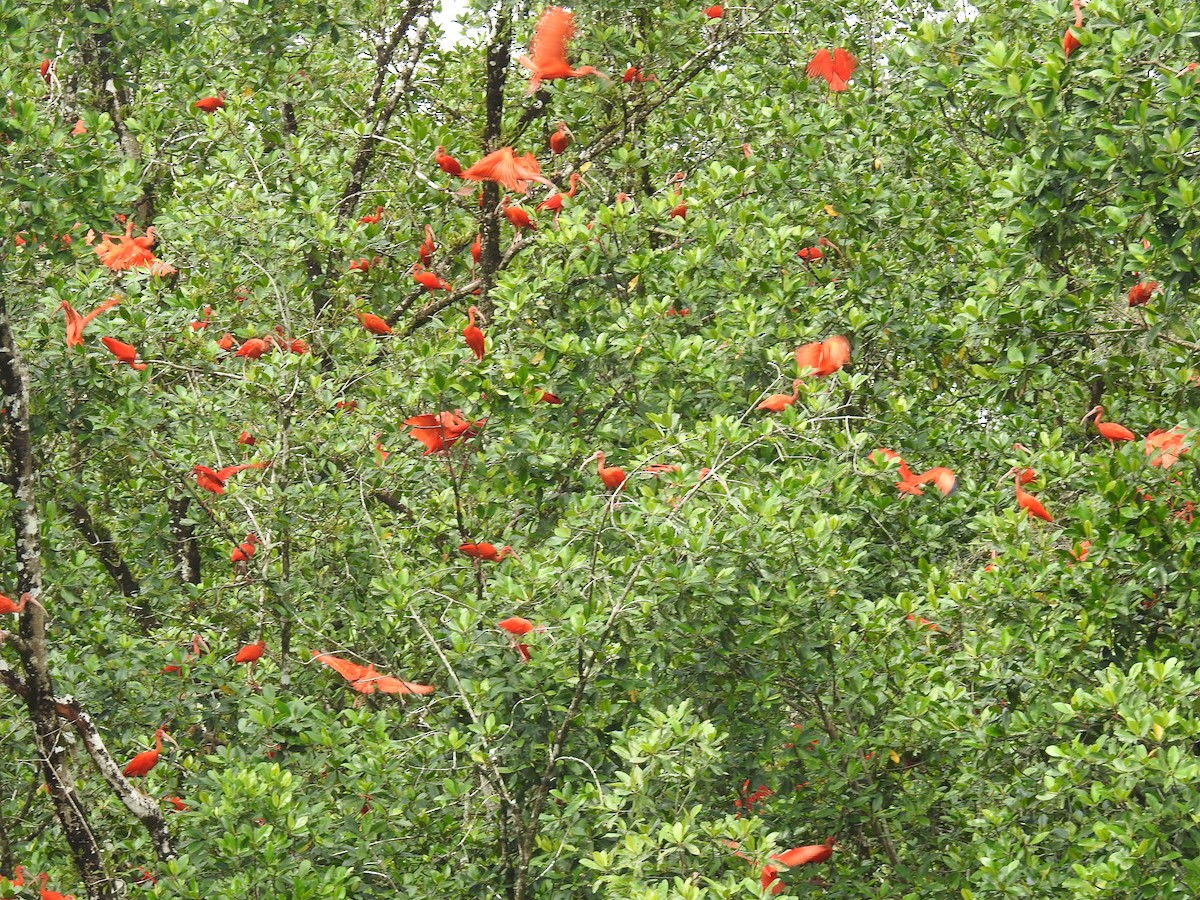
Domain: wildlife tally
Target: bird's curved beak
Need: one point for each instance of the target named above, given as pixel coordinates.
(1007, 475)
(1091, 412)
(583, 465)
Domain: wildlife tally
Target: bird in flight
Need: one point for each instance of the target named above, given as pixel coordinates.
(547, 58)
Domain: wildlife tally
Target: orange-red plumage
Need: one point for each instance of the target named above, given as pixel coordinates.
(561, 139)
(251, 652)
(214, 481)
(366, 680)
(612, 476)
(835, 68)
(1110, 430)
(473, 335)
(443, 430)
(823, 357)
(506, 168)
(210, 104)
(76, 323)
(484, 550)
(780, 402)
(547, 58)
(125, 353)
(143, 762)
(448, 163)
(373, 323)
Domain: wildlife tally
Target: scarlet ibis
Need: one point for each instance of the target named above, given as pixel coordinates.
(1168, 444)
(7, 606)
(1139, 294)
(247, 439)
(373, 323)
(547, 58)
(518, 627)
(797, 856)
(373, 218)
(680, 211)
(547, 397)
(147, 759)
(484, 550)
(448, 163)
(79, 129)
(633, 73)
(1110, 430)
(1070, 42)
(251, 653)
(1027, 501)
(44, 70)
(47, 894)
(362, 265)
(125, 353)
(810, 254)
(554, 202)
(366, 680)
(517, 216)
(714, 12)
(612, 476)
(178, 803)
(254, 348)
(561, 139)
(427, 248)
(504, 167)
(477, 249)
(214, 481)
(823, 358)
(443, 430)
(241, 554)
(18, 877)
(226, 342)
(473, 335)
(210, 104)
(780, 402)
(76, 323)
(428, 280)
(836, 69)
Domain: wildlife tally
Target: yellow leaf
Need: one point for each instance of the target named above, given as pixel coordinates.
(226, 689)
(1158, 731)
(248, 92)
(894, 756)
(933, 383)
(583, 170)
(877, 164)
(830, 211)
(633, 695)
(633, 282)
(538, 358)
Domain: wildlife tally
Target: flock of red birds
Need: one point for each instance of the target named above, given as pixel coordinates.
(547, 60)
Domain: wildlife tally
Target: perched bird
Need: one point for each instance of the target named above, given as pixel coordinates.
(612, 476)
(443, 430)
(125, 353)
(448, 163)
(210, 104)
(561, 139)
(473, 335)
(373, 218)
(7, 606)
(487, 551)
(373, 323)
(1027, 501)
(76, 323)
(47, 894)
(251, 653)
(836, 69)
(1070, 43)
(147, 759)
(427, 248)
(780, 402)
(554, 202)
(428, 280)
(810, 254)
(1139, 294)
(477, 249)
(1110, 430)
(226, 342)
(504, 167)
(714, 12)
(362, 265)
(547, 58)
(366, 680)
(823, 357)
(241, 554)
(517, 217)
(44, 70)
(214, 481)
(247, 439)
(519, 627)
(634, 74)
(547, 397)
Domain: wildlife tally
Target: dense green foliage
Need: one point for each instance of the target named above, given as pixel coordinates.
(988, 204)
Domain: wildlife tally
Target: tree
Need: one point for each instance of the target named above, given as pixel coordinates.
(764, 647)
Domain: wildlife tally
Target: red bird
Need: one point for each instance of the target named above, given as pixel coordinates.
(251, 653)
(76, 323)
(125, 353)
(810, 254)
(473, 335)
(518, 627)
(147, 759)
(1139, 294)
(372, 219)
(247, 439)
(517, 216)
(679, 212)
(714, 12)
(1070, 43)
(44, 70)
(548, 49)
(613, 477)
(477, 249)
(1110, 430)
(797, 856)
(487, 551)
(254, 348)
(1027, 501)
(448, 163)
(428, 280)
(373, 323)
(7, 606)
(47, 894)
(442, 431)
(835, 69)
(214, 482)
(178, 803)
(547, 397)
(362, 265)
(427, 248)
(18, 878)
(823, 357)
(504, 167)
(241, 554)
(366, 680)
(1169, 445)
(561, 139)
(554, 202)
(780, 402)
(210, 104)
(633, 73)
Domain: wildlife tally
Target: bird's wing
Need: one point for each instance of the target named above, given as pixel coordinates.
(835, 352)
(844, 64)
(386, 684)
(348, 670)
(809, 357)
(798, 856)
(821, 66)
(554, 31)
(428, 430)
(233, 470)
